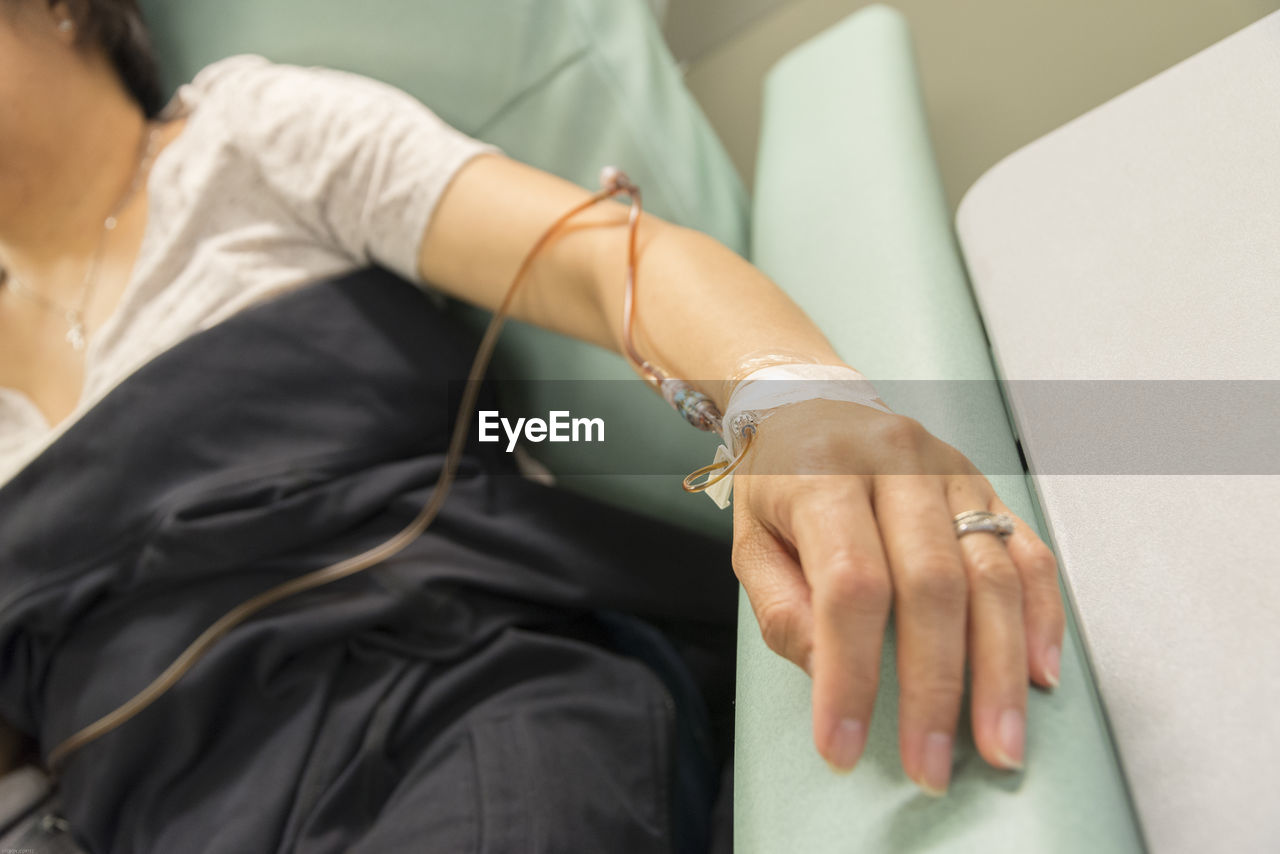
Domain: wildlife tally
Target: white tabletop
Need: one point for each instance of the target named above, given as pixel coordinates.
(1134, 247)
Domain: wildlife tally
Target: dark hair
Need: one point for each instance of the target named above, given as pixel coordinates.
(117, 28)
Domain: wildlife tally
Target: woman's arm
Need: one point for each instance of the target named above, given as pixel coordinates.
(701, 309)
(821, 558)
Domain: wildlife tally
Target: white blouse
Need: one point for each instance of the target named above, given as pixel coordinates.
(283, 175)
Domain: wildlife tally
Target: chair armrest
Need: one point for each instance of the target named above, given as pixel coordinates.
(850, 218)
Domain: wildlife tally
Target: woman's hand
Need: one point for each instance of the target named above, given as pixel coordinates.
(842, 511)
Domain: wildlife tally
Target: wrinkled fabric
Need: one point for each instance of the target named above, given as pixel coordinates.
(497, 686)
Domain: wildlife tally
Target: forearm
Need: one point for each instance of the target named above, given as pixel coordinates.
(702, 312)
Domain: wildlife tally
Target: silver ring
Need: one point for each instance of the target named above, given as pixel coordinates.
(974, 521)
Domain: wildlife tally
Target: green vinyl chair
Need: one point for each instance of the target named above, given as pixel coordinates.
(849, 218)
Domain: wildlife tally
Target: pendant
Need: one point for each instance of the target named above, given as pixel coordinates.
(75, 336)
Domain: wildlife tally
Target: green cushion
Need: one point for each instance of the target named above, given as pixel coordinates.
(850, 218)
(566, 85)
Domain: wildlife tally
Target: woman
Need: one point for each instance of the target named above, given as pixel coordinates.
(142, 253)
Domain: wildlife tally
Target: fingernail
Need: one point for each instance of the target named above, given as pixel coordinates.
(1011, 733)
(1052, 663)
(936, 767)
(847, 740)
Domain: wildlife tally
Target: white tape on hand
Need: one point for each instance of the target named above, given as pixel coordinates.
(765, 390)
(781, 385)
(720, 490)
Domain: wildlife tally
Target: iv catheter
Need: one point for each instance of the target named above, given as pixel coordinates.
(694, 406)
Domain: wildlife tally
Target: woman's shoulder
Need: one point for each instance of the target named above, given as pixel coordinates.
(242, 80)
(246, 76)
(254, 97)
(222, 82)
(230, 69)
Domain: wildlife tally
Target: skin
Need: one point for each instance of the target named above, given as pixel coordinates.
(842, 514)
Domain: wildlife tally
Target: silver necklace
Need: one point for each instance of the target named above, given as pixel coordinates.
(77, 334)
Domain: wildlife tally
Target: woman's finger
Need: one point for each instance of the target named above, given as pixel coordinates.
(777, 590)
(997, 634)
(839, 547)
(1042, 605)
(930, 598)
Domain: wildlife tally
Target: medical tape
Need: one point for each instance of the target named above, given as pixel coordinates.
(759, 394)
